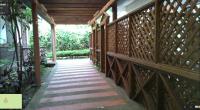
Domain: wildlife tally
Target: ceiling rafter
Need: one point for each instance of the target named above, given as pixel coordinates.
(72, 11)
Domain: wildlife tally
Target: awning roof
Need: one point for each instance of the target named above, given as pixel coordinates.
(71, 11)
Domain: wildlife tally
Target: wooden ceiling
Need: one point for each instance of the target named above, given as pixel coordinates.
(72, 11)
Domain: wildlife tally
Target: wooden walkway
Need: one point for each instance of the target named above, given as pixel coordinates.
(77, 85)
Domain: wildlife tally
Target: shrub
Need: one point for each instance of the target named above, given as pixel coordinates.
(84, 52)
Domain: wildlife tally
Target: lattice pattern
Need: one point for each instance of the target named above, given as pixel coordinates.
(111, 38)
(124, 75)
(143, 34)
(112, 70)
(180, 35)
(122, 36)
(148, 84)
(184, 90)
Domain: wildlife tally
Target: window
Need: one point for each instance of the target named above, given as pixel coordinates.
(3, 37)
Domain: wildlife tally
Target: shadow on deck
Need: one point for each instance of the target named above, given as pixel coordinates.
(77, 85)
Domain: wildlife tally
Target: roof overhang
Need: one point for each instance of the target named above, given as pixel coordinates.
(68, 11)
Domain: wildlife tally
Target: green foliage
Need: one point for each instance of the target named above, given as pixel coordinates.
(71, 41)
(45, 41)
(4, 61)
(26, 14)
(84, 52)
(64, 41)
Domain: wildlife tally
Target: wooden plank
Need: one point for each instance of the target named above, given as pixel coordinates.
(36, 43)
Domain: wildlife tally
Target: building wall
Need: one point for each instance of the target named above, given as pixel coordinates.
(126, 6)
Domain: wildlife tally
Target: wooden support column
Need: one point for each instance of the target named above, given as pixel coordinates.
(93, 43)
(106, 44)
(114, 10)
(102, 48)
(53, 32)
(36, 43)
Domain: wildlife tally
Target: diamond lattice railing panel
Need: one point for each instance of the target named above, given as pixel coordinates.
(180, 35)
(186, 92)
(125, 77)
(142, 34)
(111, 38)
(146, 85)
(122, 36)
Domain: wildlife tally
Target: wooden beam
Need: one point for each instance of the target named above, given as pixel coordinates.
(72, 9)
(71, 22)
(53, 32)
(68, 17)
(71, 12)
(106, 7)
(73, 5)
(36, 43)
(41, 10)
(73, 1)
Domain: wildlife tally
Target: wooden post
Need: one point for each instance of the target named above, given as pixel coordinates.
(53, 42)
(106, 44)
(93, 42)
(102, 54)
(114, 10)
(116, 47)
(36, 43)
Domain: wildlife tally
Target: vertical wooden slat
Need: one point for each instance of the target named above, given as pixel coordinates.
(160, 91)
(129, 36)
(53, 42)
(157, 30)
(106, 44)
(102, 39)
(36, 43)
(116, 49)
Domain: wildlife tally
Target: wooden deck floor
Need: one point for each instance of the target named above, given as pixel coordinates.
(77, 85)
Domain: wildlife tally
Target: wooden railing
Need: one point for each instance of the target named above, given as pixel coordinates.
(154, 54)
